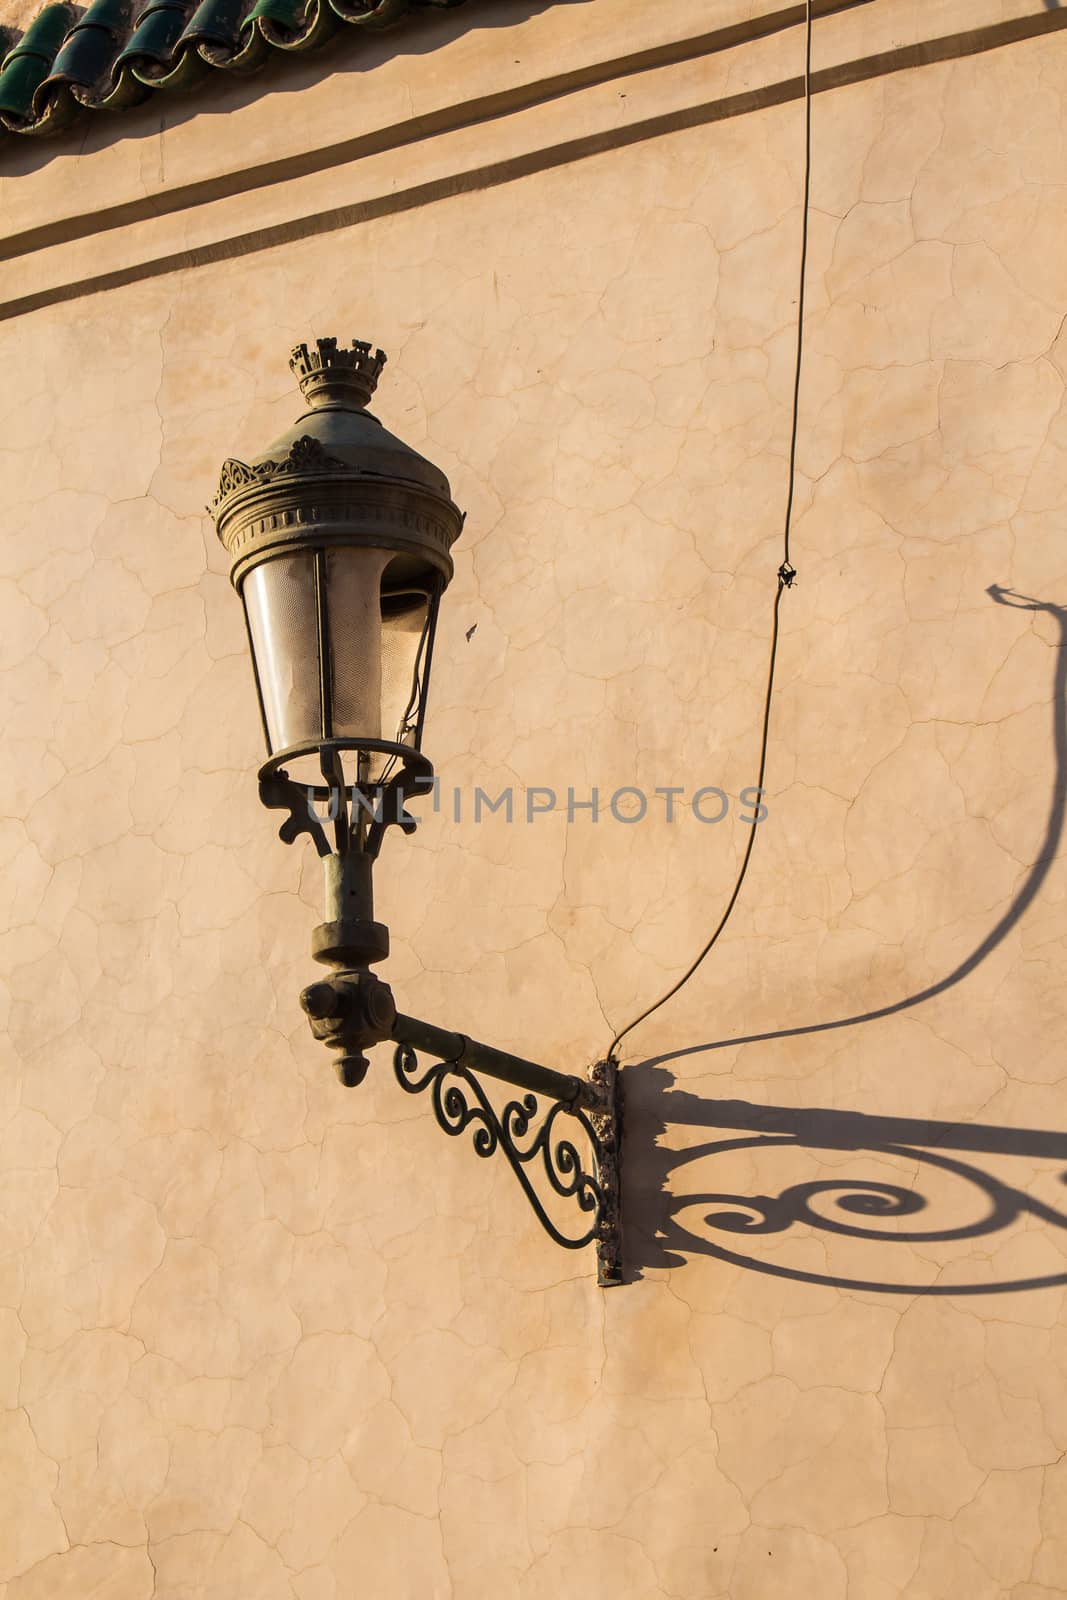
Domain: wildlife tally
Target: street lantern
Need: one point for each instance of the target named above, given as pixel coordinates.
(340, 538)
(339, 535)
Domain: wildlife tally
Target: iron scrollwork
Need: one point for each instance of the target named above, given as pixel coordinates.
(461, 1104)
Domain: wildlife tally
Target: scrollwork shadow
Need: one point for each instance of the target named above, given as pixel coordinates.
(657, 1234)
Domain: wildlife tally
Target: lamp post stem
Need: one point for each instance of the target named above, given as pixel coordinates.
(349, 892)
(349, 939)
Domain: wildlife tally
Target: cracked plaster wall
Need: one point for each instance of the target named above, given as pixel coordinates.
(265, 1338)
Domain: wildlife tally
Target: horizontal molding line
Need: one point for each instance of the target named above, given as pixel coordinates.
(450, 119)
(927, 53)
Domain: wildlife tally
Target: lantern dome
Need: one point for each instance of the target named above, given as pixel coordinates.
(367, 482)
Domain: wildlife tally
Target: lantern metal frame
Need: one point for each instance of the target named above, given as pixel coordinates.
(337, 486)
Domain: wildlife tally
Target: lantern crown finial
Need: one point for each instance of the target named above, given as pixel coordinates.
(329, 376)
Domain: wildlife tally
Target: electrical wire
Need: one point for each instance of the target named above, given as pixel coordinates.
(786, 572)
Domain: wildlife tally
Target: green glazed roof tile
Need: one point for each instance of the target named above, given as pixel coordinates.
(64, 65)
(158, 28)
(215, 22)
(382, 15)
(30, 61)
(91, 46)
(287, 12)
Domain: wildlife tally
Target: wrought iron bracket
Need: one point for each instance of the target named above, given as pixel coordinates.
(536, 1141)
(561, 1138)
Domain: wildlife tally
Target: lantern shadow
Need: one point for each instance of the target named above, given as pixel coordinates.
(654, 1233)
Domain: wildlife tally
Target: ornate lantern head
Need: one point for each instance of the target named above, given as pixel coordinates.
(339, 535)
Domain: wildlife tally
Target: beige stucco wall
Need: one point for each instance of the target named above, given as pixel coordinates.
(265, 1338)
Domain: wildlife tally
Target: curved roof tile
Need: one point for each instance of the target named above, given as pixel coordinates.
(107, 59)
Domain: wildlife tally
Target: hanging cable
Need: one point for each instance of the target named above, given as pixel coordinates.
(786, 572)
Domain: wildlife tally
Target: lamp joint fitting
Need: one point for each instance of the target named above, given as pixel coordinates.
(349, 1011)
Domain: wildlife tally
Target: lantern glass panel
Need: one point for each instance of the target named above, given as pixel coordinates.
(405, 621)
(283, 621)
(354, 630)
(372, 626)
